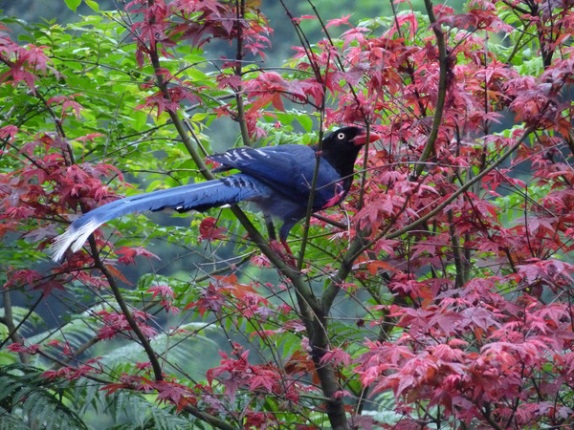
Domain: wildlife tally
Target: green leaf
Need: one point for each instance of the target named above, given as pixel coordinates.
(306, 122)
(73, 4)
(92, 5)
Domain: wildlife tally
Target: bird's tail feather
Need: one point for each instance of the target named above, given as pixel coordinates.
(200, 196)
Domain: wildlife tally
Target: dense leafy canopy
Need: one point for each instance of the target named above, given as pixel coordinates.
(439, 295)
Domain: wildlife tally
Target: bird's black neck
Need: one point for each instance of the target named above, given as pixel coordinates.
(342, 159)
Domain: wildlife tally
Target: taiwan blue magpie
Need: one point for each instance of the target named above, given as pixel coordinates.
(277, 179)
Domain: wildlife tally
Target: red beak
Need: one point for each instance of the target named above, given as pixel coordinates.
(361, 139)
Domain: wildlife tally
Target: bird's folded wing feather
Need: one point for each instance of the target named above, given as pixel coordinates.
(288, 169)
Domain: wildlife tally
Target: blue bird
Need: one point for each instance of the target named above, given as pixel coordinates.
(276, 178)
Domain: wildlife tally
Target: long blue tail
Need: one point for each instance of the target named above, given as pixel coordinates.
(200, 197)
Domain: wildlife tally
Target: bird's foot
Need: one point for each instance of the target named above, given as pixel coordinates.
(281, 248)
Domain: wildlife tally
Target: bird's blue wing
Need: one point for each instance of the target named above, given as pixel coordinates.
(288, 169)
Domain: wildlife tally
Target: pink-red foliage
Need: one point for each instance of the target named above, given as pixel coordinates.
(464, 233)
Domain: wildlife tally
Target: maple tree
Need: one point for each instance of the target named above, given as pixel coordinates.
(439, 294)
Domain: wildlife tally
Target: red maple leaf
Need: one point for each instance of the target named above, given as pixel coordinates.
(209, 231)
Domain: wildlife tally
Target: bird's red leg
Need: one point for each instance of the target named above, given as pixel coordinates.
(282, 249)
(287, 248)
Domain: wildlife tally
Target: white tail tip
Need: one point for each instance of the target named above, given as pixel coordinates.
(72, 237)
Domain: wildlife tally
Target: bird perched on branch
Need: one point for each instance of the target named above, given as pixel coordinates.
(278, 179)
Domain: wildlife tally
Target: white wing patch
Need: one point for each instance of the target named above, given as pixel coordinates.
(243, 154)
(262, 153)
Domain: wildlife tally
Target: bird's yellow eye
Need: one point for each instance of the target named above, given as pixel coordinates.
(341, 136)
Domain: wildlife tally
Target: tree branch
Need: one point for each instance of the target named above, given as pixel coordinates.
(144, 341)
(442, 89)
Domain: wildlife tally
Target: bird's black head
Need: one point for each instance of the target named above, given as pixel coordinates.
(341, 147)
